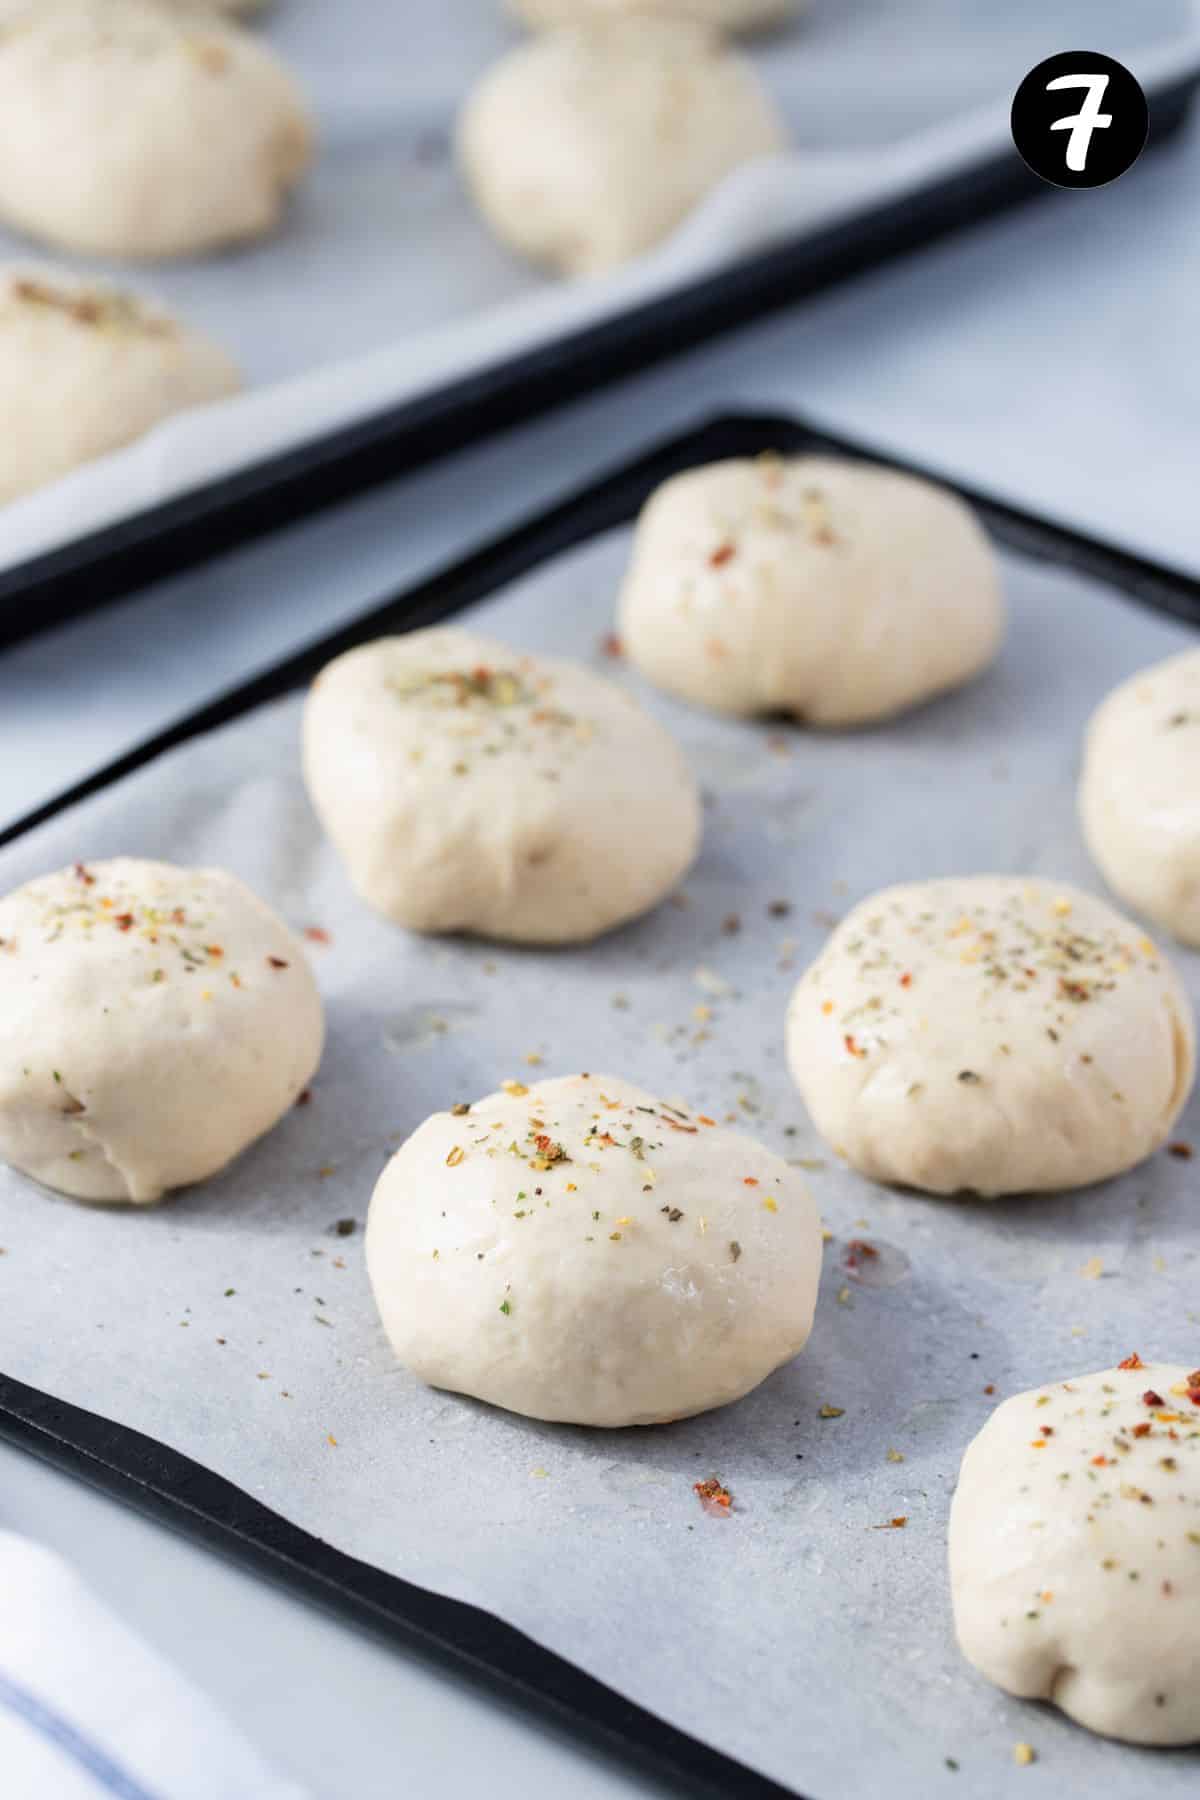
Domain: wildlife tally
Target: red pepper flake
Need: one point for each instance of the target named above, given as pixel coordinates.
(1142, 1430)
(316, 934)
(1150, 1398)
(896, 1524)
(851, 1043)
(123, 921)
(215, 951)
(178, 916)
(721, 555)
(990, 1388)
(714, 1498)
(305, 1098)
(859, 1251)
(278, 962)
(1183, 1151)
(1099, 1462)
(84, 875)
(705, 1120)
(1132, 1362)
(749, 1180)
(612, 645)
(675, 1125)
(906, 979)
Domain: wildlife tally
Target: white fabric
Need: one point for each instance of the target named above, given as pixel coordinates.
(88, 1711)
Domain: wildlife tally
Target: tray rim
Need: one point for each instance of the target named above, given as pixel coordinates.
(175, 1490)
(267, 495)
(605, 501)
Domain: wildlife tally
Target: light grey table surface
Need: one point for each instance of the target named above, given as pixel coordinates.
(1048, 357)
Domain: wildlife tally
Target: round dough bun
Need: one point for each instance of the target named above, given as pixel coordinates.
(1075, 1550)
(1139, 798)
(471, 787)
(585, 147)
(134, 131)
(991, 1035)
(84, 370)
(836, 591)
(720, 15)
(154, 1021)
(583, 1251)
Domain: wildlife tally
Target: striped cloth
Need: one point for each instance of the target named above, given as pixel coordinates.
(89, 1712)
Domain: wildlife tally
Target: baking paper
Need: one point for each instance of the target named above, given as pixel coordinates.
(802, 1633)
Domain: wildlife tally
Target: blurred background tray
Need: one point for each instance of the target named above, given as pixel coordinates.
(384, 327)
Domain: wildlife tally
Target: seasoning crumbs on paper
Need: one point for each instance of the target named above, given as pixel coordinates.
(713, 1496)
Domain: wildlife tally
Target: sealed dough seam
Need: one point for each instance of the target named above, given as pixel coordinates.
(92, 1137)
(1181, 1051)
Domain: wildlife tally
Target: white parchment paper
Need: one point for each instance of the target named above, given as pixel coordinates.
(235, 1325)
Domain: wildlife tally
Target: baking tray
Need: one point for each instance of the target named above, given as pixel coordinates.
(177, 1490)
(885, 165)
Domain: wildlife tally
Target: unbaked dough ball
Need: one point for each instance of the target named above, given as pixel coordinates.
(833, 590)
(1139, 798)
(991, 1034)
(154, 1021)
(584, 1251)
(721, 15)
(471, 787)
(85, 369)
(132, 131)
(585, 147)
(1075, 1550)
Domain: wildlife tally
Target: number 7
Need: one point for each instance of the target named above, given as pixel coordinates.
(1089, 118)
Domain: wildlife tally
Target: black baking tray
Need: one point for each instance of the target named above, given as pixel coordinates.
(171, 1487)
(277, 491)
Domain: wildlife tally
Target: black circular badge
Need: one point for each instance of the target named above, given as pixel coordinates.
(1080, 119)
